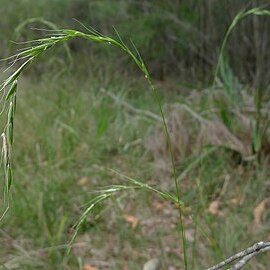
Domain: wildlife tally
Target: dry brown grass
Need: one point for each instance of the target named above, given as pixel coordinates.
(192, 129)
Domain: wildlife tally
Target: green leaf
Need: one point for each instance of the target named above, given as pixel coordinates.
(10, 122)
(10, 133)
(256, 139)
(12, 90)
(9, 177)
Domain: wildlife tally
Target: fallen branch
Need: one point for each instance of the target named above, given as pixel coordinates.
(243, 256)
(130, 108)
(32, 255)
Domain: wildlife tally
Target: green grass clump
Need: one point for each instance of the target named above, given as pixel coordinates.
(65, 147)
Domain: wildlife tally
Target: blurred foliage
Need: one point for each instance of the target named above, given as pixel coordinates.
(176, 38)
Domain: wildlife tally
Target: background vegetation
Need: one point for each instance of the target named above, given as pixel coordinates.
(85, 108)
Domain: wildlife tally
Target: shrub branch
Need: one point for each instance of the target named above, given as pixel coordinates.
(243, 256)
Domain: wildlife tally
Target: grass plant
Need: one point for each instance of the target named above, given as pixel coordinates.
(38, 48)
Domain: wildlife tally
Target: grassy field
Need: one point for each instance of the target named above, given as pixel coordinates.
(69, 132)
(87, 127)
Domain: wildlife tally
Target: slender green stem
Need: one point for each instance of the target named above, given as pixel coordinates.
(181, 221)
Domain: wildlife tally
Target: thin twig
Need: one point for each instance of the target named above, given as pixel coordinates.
(243, 256)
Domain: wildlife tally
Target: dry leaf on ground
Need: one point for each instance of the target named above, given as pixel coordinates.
(89, 267)
(83, 181)
(133, 221)
(214, 208)
(258, 212)
(158, 205)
